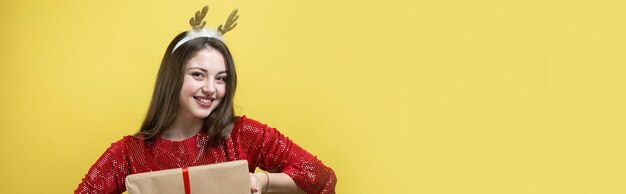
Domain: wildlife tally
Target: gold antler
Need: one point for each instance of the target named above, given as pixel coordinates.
(196, 22)
(231, 23)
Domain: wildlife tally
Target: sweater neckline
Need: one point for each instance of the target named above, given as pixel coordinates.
(195, 137)
(189, 139)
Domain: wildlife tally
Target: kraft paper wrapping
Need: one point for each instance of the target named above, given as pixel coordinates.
(224, 178)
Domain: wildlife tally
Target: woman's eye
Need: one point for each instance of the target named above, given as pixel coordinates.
(197, 75)
(223, 79)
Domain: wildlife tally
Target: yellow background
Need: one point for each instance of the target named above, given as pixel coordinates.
(441, 97)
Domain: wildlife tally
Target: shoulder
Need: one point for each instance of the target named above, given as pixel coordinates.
(121, 146)
(245, 121)
(247, 128)
(245, 124)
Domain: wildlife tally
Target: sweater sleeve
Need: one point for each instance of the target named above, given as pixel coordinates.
(108, 173)
(275, 152)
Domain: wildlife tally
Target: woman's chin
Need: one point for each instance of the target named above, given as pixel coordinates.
(201, 115)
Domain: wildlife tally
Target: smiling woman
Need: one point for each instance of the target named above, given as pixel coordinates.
(204, 84)
(201, 68)
(191, 122)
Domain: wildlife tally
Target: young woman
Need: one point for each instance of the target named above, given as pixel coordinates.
(191, 122)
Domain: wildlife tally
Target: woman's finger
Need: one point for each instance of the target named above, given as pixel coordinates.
(254, 184)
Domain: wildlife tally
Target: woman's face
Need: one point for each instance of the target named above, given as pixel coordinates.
(204, 84)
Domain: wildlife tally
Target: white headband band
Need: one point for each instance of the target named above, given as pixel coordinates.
(192, 34)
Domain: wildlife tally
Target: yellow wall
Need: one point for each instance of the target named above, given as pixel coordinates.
(396, 96)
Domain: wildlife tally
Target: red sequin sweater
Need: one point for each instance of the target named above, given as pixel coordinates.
(250, 140)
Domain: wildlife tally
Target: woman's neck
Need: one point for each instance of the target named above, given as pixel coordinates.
(185, 126)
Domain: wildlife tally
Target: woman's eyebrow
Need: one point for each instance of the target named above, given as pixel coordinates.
(204, 70)
(198, 68)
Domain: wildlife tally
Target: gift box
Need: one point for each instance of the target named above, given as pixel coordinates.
(224, 178)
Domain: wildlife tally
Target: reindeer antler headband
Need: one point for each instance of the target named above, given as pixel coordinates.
(197, 24)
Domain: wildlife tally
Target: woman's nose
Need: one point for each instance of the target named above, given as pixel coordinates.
(208, 88)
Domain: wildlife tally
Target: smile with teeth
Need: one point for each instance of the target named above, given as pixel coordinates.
(203, 101)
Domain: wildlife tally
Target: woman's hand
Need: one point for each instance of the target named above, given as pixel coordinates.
(258, 181)
(281, 183)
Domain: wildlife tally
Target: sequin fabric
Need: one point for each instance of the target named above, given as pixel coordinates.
(250, 140)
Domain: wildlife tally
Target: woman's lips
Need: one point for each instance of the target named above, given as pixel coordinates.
(204, 101)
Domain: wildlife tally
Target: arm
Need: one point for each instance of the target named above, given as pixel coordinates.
(108, 173)
(277, 154)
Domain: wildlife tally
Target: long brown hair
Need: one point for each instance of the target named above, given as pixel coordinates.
(164, 104)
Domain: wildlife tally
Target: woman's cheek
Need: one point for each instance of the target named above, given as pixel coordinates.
(222, 91)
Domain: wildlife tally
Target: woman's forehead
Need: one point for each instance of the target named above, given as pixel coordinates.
(207, 59)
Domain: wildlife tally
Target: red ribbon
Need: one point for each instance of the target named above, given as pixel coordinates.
(186, 181)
